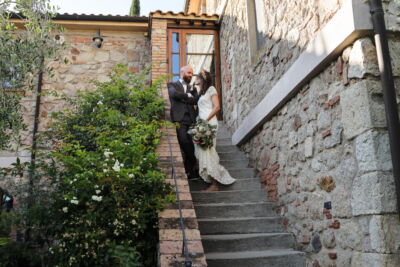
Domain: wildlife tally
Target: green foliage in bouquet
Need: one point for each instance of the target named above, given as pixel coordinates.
(98, 190)
(203, 133)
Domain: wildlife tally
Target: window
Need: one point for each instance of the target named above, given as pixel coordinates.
(256, 16)
(197, 48)
(194, 48)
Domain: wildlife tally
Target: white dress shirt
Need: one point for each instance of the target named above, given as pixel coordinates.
(184, 85)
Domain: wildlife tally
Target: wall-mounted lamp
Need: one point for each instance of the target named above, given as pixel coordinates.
(98, 39)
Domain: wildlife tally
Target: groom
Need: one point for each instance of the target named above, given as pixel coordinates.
(183, 98)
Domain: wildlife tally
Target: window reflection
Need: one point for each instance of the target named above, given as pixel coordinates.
(175, 63)
(175, 42)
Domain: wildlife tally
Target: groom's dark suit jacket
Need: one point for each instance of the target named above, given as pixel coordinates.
(181, 103)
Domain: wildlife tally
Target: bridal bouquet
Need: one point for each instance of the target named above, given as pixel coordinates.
(203, 133)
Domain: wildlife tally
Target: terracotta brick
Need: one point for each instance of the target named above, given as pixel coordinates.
(175, 247)
(334, 100)
(335, 225)
(274, 167)
(187, 213)
(176, 234)
(305, 239)
(332, 256)
(326, 133)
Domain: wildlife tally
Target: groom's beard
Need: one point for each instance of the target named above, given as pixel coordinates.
(187, 79)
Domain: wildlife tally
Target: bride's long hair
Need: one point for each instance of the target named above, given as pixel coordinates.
(205, 76)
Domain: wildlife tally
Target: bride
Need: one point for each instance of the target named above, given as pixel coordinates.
(209, 168)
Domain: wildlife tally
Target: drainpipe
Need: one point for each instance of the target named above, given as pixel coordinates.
(34, 144)
(389, 92)
(37, 112)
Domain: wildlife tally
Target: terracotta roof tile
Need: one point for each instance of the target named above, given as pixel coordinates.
(183, 14)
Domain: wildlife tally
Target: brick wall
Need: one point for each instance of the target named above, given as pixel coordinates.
(170, 253)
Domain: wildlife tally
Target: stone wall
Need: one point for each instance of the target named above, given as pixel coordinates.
(324, 157)
(86, 63)
(287, 34)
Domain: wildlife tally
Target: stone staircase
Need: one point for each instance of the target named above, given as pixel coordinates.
(237, 224)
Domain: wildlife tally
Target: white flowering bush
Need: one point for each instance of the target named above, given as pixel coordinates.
(106, 184)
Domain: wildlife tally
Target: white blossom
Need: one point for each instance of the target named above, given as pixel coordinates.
(97, 198)
(100, 102)
(74, 201)
(65, 209)
(98, 191)
(108, 153)
(117, 166)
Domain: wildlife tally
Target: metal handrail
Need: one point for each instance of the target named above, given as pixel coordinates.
(185, 250)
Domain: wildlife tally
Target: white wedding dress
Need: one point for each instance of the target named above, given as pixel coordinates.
(208, 158)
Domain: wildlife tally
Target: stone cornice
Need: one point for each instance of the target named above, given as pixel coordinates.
(351, 22)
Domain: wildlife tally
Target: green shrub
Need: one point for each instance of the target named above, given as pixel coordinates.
(106, 186)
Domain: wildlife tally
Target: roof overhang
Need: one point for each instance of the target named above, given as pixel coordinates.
(95, 22)
(185, 20)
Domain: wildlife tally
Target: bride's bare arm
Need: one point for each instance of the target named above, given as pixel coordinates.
(216, 107)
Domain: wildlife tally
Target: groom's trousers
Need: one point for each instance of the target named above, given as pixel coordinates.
(187, 147)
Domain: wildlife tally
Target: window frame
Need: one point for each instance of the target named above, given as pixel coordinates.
(183, 54)
(256, 34)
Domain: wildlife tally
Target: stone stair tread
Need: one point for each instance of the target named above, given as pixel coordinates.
(233, 204)
(242, 236)
(235, 219)
(246, 183)
(231, 191)
(252, 254)
(229, 196)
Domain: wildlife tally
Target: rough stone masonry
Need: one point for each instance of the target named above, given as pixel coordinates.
(324, 157)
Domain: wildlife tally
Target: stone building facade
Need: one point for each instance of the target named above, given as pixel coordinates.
(126, 43)
(323, 155)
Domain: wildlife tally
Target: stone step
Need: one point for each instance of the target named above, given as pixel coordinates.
(225, 148)
(234, 210)
(238, 163)
(217, 226)
(247, 242)
(242, 173)
(232, 156)
(224, 141)
(240, 184)
(270, 258)
(235, 196)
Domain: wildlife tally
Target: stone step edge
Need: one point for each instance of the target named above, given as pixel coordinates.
(237, 219)
(233, 204)
(230, 191)
(252, 254)
(243, 236)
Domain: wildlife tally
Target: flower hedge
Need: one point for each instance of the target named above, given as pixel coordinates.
(102, 180)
